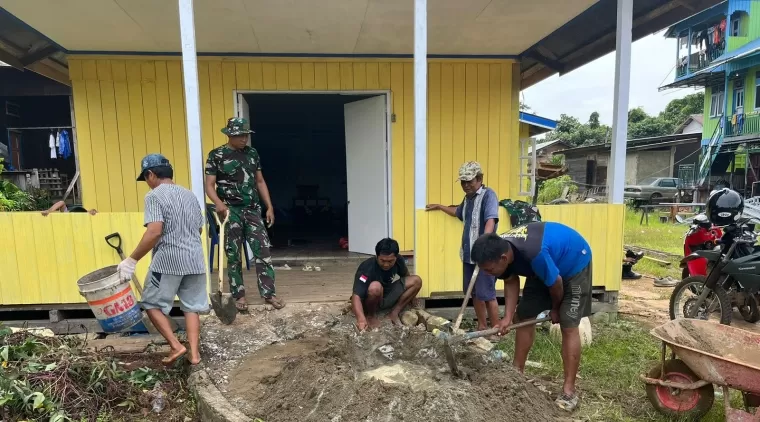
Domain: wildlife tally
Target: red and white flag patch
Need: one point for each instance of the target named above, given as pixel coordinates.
(363, 278)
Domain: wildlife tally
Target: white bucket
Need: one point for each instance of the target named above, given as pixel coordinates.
(111, 299)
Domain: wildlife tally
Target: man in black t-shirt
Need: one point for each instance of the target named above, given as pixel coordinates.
(383, 282)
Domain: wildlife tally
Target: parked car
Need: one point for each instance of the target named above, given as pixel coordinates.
(654, 189)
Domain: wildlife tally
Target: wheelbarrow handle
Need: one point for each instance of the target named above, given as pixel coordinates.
(117, 244)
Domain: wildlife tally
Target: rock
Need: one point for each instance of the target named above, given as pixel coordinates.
(409, 318)
(584, 328)
(600, 318)
(482, 344)
(39, 332)
(432, 321)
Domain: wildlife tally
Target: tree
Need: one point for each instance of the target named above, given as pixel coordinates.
(593, 120)
(678, 110)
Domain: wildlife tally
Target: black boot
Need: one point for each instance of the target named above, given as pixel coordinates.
(628, 273)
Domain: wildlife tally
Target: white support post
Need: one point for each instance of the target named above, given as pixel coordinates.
(420, 112)
(616, 167)
(192, 101)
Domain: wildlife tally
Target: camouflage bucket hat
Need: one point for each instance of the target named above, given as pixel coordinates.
(237, 126)
(469, 171)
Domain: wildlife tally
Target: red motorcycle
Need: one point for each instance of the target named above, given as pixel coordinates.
(702, 235)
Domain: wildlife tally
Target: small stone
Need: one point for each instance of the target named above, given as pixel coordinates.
(409, 319)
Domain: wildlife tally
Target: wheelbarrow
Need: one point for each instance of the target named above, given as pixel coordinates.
(704, 355)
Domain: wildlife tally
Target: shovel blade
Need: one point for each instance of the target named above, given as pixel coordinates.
(450, 358)
(224, 307)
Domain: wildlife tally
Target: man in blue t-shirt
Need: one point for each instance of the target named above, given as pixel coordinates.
(556, 261)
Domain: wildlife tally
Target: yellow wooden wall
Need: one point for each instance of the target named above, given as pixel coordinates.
(126, 107)
(43, 257)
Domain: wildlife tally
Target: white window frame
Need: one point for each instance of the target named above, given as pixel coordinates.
(757, 85)
(736, 26)
(716, 104)
(737, 92)
(528, 164)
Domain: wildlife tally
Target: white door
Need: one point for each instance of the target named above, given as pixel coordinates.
(367, 173)
(243, 111)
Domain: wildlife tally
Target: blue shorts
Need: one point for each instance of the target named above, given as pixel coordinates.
(485, 284)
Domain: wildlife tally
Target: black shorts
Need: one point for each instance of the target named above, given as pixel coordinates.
(576, 302)
(392, 294)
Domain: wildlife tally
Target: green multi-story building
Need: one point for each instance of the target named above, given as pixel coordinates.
(719, 49)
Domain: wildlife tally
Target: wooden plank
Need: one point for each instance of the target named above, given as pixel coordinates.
(346, 76)
(307, 76)
(137, 121)
(228, 85)
(384, 69)
(481, 154)
(373, 76)
(255, 76)
(269, 77)
(408, 155)
(398, 166)
(10, 289)
(448, 229)
(242, 76)
(494, 119)
(84, 144)
(26, 260)
(515, 127)
(435, 234)
(508, 145)
(218, 113)
(179, 131)
(65, 258)
(47, 265)
(320, 76)
(471, 112)
(207, 117)
(100, 163)
(295, 83)
(281, 76)
(112, 144)
(129, 163)
(360, 76)
(333, 76)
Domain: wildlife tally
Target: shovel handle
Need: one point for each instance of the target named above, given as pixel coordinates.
(116, 243)
(474, 277)
(221, 246)
(495, 330)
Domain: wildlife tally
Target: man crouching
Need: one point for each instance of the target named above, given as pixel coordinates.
(383, 282)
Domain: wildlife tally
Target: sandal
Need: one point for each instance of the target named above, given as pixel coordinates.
(275, 302)
(567, 402)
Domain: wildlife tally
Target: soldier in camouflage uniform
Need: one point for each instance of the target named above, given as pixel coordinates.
(235, 184)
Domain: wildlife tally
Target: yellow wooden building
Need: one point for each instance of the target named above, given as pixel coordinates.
(129, 99)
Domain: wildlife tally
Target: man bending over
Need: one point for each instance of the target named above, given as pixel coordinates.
(383, 282)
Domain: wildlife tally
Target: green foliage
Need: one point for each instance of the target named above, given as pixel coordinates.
(14, 199)
(558, 159)
(640, 124)
(552, 189)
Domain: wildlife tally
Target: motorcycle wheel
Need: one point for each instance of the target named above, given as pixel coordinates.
(750, 310)
(694, 285)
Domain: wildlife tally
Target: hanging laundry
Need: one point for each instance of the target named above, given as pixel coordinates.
(65, 145)
(51, 144)
(58, 142)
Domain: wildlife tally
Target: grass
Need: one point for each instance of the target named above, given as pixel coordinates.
(664, 237)
(609, 386)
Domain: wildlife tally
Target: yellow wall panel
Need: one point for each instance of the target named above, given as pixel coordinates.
(295, 82)
(307, 76)
(408, 239)
(179, 125)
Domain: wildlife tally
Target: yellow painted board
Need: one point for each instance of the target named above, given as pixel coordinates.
(11, 285)
(346, 76)
(384, 69)
(129, 163)
(137, 122)
(47, 266)
(228, 84)
(515, 128)
(84, 144)
(398, 168)
(207, 119)
(281, 76)
(408, 153)
(65, 260)
(179, 125)
(422, 253)
(307, 76)
(481, 154)
(447, 139)
(256, 78)
(320, 76)
(242, 76)
(360, 76)
(97, 134)
(458, 130)
(436, 235)
(26, 259)
(269, 76)
(218, 114)
(471, 112)
(333, 76)
(295, 82)
(508, 146)
(103, 70)
(89, 70)
(150, 108)
(494, 120)
(112, 142)
(373, 76)
(75, 69)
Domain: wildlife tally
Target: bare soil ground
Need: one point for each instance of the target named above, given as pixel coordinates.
(307, 363)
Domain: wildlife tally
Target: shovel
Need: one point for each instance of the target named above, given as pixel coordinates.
(223, 303)
(449, 340)
(114, 241)
(474, 277)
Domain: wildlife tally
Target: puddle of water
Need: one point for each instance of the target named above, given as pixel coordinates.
(418, 378)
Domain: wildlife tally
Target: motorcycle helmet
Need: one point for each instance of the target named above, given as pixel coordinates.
(724, 207)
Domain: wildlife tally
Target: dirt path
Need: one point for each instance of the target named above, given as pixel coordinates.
(649, 305)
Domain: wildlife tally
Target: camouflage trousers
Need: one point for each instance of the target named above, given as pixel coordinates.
(246, 223)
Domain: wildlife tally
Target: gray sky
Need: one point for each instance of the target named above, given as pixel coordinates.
(590, 88)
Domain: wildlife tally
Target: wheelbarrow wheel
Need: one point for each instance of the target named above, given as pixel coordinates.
(681, 404)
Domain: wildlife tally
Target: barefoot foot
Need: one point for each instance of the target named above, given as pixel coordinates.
(174, 354)
(393, 317)
(373, 322)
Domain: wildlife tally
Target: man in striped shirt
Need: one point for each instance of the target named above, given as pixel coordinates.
(174, 223)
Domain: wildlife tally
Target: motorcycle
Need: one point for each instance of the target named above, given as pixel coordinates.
(731, 278)
(702, 235)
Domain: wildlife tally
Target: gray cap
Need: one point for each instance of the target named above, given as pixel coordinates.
(152, 161)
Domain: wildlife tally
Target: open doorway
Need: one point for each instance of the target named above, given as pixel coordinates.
(325, 158)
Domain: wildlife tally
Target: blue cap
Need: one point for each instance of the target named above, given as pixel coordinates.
(152, 161)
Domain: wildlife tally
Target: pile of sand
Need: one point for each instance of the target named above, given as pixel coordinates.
(392, 375)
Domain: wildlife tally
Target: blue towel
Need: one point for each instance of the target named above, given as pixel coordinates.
(64, 146)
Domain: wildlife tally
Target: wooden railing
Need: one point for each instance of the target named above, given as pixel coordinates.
(738, 125)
